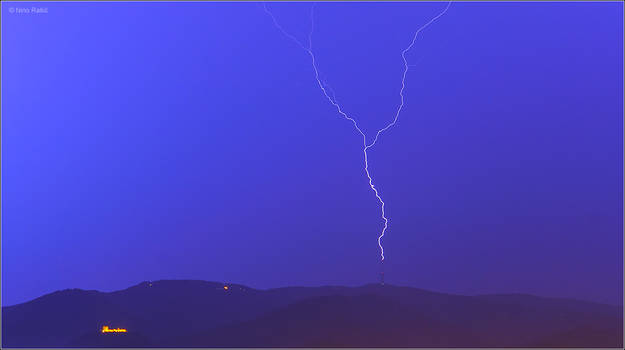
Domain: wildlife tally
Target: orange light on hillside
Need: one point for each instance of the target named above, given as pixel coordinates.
(106, 329)
(226, 288)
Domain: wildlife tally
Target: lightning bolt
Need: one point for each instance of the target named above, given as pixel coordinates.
(329, 94)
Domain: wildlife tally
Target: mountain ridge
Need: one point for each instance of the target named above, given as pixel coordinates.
(195, 313)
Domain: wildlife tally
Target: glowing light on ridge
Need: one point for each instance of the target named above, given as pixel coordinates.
(106, 329)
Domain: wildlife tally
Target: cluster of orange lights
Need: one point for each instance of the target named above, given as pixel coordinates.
(106, 329)
(226, 287)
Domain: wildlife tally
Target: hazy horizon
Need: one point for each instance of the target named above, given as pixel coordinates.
(309, 286)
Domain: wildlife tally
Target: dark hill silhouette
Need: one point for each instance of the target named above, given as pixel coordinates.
(337, 321)
(97, 339)
(203, 314)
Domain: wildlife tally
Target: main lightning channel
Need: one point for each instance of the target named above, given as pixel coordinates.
(324, 88)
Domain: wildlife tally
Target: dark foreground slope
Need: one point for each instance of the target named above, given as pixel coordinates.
(204, 314)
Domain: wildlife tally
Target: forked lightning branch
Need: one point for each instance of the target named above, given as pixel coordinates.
(324, 88)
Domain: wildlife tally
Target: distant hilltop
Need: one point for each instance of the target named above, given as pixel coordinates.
(189, 313)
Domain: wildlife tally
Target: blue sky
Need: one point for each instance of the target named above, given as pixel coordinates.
(145, 141)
